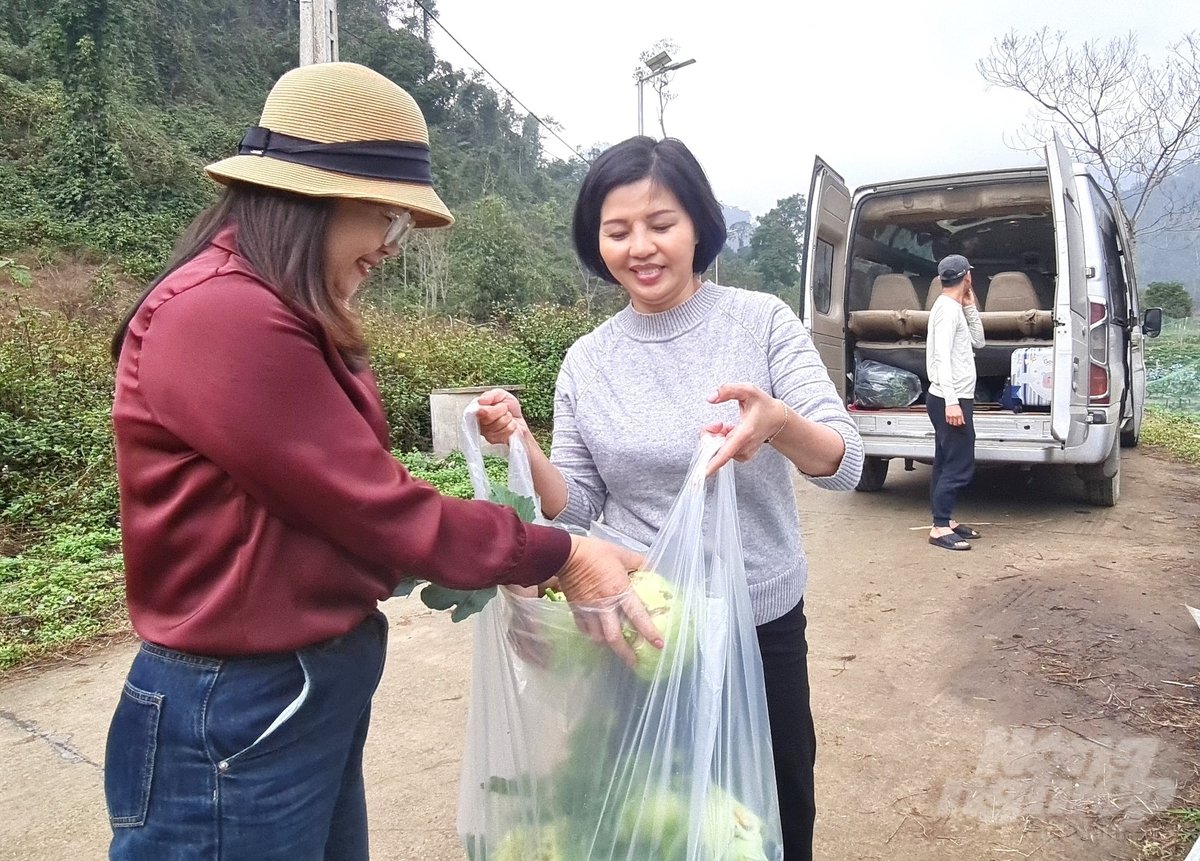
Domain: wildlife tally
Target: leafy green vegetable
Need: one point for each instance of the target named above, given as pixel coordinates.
(523, 505)
(464, 603)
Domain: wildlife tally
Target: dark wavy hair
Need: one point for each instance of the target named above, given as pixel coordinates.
(668, 164)
(282, 236)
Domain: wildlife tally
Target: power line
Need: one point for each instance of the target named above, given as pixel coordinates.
(363, 43)
(511, 95)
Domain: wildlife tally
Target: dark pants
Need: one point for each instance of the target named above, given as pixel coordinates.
(953, 457)
(246, 759)
(793, 738)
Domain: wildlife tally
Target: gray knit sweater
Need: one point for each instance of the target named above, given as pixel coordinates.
(631, 402)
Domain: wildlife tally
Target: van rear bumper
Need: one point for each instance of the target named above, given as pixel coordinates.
(1006, 438)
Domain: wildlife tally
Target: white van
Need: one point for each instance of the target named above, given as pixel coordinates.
(1055, 286)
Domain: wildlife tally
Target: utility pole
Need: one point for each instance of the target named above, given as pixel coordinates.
(659, 64)
(318, 32)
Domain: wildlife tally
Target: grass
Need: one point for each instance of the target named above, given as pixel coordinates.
(59, 593)
(1168, 836)
(1176, 434)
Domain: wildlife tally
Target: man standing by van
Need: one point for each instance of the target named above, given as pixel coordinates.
(955, 332)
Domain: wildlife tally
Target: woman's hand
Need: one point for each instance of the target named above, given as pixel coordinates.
(597, 571)
(761, 417)
(499, 416)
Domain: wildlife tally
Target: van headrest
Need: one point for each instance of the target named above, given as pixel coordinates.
(893, 292)
(1011, 291)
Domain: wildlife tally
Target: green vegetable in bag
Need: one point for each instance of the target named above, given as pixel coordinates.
(570, 649)
(544, 843)
(730, 831)
(669, 616)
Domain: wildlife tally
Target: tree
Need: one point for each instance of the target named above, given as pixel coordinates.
(1171, 296)
(778, 244)
(661, 83)
(1135, 122)
(737, 269)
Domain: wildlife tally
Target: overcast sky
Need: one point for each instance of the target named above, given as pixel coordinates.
(880, 90)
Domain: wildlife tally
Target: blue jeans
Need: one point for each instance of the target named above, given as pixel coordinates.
(244, 759)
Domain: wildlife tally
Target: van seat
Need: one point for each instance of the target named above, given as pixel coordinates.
(1011, 291)
(892, 296)
(1013, 310)
(893, 292)
(935, 290)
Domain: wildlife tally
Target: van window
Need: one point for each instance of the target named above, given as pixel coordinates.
(823, 276)
(1002, 227)
(1118, 290)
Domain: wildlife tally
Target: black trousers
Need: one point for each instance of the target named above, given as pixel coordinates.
(793, 739)
(953, 457)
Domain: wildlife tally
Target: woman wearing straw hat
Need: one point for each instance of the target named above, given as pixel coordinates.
(262, 514)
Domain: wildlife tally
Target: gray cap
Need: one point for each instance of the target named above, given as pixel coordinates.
(953, 267)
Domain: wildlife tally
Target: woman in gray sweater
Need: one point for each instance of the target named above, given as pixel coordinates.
(686, 356)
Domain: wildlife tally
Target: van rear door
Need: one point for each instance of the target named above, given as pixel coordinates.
(824, 274)
(1069, 397)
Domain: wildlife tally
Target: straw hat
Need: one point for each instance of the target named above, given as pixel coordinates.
(340, 130)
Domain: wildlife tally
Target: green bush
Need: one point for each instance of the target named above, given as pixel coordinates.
(60, 570)
(450, 475)
(544, 333)
(412, 356)
(55, 431)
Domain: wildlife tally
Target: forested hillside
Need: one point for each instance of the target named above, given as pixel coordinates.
(108, 111)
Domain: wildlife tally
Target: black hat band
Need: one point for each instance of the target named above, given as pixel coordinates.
(397, 161)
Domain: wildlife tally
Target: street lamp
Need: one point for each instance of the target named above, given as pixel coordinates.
(657, 65)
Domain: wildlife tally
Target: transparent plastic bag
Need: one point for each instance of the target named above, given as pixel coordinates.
(880, 386)
(573, 756)
(518, 493)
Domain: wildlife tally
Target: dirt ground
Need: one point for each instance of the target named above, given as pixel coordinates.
(1038, 697)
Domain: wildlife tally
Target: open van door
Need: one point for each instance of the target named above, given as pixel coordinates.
(1069, 397)
(824, 274)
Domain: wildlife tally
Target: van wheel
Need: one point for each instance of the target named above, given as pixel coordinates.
(1104, 492)
(1130, 438)
(874, 473)
(1102, 481)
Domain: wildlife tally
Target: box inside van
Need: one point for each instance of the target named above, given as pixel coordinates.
(1061, 378)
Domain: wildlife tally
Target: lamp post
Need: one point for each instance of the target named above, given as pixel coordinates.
(657, 65)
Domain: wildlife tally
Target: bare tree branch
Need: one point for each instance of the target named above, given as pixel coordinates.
(1134, 122)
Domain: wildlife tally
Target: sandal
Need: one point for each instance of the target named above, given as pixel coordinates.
(964, 531)
(949, 542)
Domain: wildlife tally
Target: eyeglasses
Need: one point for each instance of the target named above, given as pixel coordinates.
(398, 230)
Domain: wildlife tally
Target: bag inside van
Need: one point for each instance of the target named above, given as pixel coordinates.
(1006, 230)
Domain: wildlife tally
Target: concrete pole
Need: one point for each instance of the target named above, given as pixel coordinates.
(640, 81)
(318, 32)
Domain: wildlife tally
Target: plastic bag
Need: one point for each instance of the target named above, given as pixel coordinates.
(573, 756)
(880, 386)
(518, 493)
